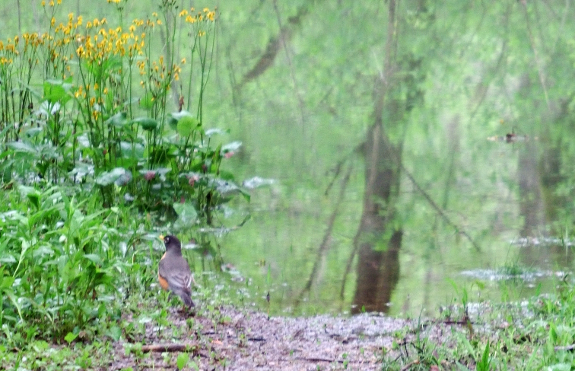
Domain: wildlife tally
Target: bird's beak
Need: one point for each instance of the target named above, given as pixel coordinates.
(161, 237)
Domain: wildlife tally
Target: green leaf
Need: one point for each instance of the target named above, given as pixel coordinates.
(5, 281)
(173, 123)
(32, 194)
(115, 332)
(233, 146)
(226, 188)
(22, 147)
(70, 337)
(57, 90)
(94, 258)
(186, 125)
(187, 215)
(34, 199)
(182, 360)
(118, 120)
(112, 176)
(7, 259)
(42, 251)
(146, 123)
(215, 131)
(130, 150)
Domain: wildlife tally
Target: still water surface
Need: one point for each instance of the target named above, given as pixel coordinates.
(299, 240)
(403, 179)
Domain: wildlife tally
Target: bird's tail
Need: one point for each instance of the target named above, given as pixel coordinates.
(185, 294)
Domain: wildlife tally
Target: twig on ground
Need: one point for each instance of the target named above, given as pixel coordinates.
(170, 348)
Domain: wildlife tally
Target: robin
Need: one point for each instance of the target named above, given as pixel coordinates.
(174, 272)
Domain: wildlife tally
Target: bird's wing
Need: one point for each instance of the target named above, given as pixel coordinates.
(180, 277)
(179, 280)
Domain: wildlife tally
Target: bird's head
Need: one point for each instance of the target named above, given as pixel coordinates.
(171, 242)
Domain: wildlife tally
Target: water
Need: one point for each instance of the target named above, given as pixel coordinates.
(285, 239)
(484, 164)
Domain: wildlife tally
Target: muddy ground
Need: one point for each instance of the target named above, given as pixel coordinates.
(244, 340)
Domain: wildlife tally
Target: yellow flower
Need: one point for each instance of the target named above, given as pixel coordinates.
(183, 13)
(80, 51)
(183, 61)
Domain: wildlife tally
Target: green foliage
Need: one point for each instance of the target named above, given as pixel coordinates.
(102, 110)
(59, 264)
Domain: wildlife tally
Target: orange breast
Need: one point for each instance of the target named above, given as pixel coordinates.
(162, 280)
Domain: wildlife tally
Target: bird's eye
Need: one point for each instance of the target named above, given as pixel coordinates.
(167, 239)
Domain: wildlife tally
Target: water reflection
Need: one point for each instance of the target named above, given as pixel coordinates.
(378, 239)
(435, 197)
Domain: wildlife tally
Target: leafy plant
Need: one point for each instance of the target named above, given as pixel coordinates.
(101, 115)
(59, 263)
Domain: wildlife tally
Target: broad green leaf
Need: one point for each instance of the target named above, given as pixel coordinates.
(109, 177)
(215, 131)
(181, 114)
(186, 125)
(173, 123)
(6, 281)
(146, 123)
(94, 258)
(56, 91)
(7, 259)
(31, 194)
(70, 337)
(182, 360)
(226, 188)
(129, 150)
(233, 146)
(187, 215)
(23, 147)
(118, 120)
(115, 332)
(42, 251)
